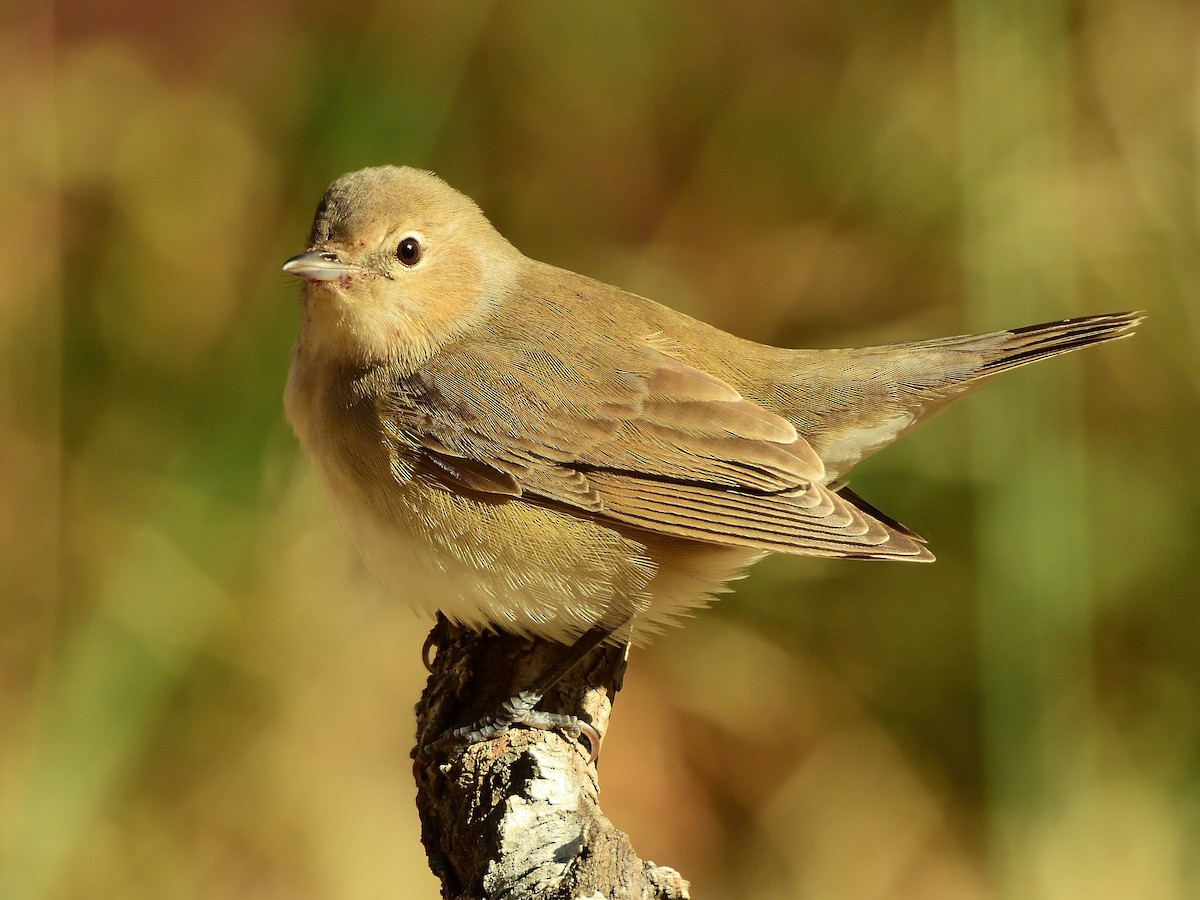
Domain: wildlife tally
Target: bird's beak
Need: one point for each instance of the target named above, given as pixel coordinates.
(320, 265)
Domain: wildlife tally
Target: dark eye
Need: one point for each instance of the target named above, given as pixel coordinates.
(409, 251)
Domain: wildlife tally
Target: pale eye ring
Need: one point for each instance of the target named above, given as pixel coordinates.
(408, 251)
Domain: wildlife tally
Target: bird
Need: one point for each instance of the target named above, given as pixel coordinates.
(526, 449)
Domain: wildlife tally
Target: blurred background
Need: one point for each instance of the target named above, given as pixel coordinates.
(203, 694)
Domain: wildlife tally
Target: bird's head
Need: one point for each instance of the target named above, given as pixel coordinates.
(398, 264)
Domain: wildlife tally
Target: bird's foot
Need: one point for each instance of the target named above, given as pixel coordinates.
(443, 630)
(515, 711)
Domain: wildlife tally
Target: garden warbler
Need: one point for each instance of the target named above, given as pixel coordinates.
(527, 449)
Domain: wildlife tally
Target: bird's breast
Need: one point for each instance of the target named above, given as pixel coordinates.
(516, 564)
(484, 562)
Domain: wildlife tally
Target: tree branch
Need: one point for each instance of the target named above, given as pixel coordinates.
(519, 816)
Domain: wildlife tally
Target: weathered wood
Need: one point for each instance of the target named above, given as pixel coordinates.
(519, 816)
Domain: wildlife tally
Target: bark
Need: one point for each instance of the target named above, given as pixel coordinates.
(519, 816)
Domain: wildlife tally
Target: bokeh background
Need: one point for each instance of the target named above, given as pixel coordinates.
(202, 693)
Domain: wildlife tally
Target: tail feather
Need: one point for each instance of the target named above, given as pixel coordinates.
(849, 404)
(1033, 342)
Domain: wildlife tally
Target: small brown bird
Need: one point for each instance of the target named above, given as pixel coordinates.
(531, 450)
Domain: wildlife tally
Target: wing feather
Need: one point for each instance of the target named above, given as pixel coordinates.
(641, 439)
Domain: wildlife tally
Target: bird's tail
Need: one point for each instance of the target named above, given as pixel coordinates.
(1004, 350)
(897, 386)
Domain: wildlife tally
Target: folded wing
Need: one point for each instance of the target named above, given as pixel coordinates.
(644, 441)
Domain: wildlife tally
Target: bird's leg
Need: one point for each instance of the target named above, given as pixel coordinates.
(519, 708)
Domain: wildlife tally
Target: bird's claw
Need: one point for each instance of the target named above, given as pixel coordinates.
(516, 711)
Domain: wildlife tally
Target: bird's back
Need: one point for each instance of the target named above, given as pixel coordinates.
(846, 403)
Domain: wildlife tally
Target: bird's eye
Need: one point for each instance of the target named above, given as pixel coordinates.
(408, 251)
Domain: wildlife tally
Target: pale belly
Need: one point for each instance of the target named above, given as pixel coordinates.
(521, 567)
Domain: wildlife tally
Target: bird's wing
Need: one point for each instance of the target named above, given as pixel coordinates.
(640, 439)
